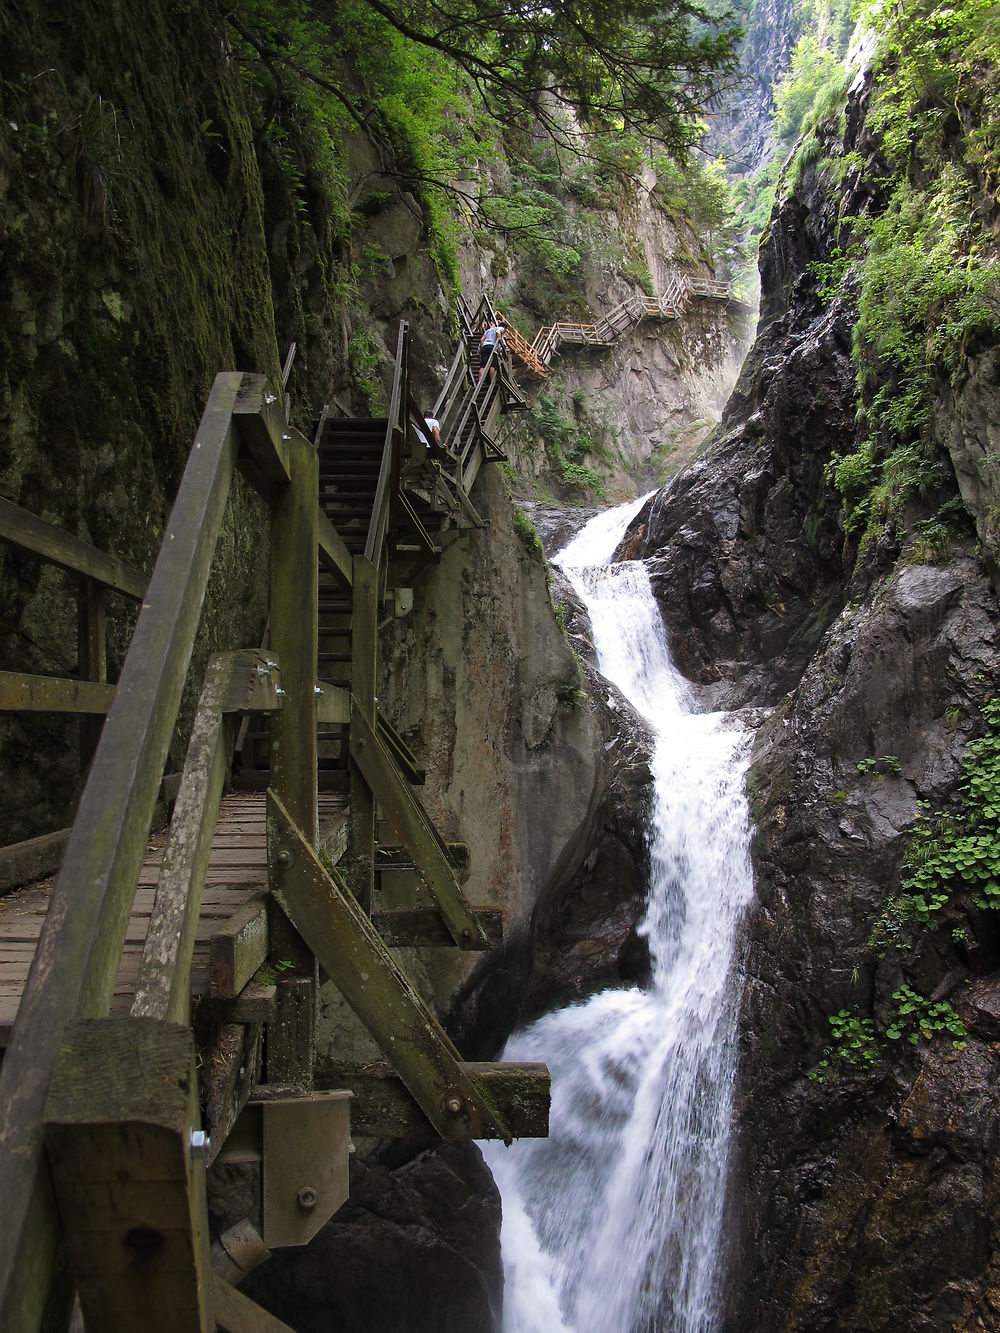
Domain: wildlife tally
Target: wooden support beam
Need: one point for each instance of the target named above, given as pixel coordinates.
(327, 916)
(23, 529)
(238, 949)
(417, 833)
(22, 862)
(231, 1068)
(401, 752)
(77, 958)
(92, 659)
(233, 682)
(130, 1183)
(333, 704)
(333, 554)
(254, 1004)
(294, 596)
(260, 419)
(295, 640)
(364, 658)
(238, 1251)
(411, 518)
(52, 694)
(235, 1313)
(425, 928)
(383, 1107)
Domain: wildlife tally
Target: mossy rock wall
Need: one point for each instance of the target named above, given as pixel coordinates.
(136, 247)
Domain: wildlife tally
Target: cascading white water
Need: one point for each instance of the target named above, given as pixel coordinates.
(613, 1224)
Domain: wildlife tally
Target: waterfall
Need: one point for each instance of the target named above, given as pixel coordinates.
(614, 1223)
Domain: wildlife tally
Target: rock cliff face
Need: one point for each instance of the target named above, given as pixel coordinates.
(865, 1197)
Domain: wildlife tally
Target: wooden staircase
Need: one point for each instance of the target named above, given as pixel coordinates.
(534, 358)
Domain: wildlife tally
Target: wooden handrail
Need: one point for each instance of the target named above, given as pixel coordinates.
(76, 962)
(668, 304)
(19, 527)
(395, 429)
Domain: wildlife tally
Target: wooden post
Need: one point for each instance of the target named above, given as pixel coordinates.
(129, 1175)
(93, 661)
(295, 641)
(364, 649)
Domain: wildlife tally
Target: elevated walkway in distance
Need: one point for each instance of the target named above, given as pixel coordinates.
(534, 358)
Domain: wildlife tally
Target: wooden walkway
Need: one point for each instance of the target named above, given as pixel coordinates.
(237, 874)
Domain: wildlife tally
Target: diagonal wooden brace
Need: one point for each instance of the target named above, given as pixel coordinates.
(326, 914)
(416, 832)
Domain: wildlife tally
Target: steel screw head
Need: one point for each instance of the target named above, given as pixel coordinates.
(285, 857)
(307, 1197)
(453, 1105)
(199, 1141)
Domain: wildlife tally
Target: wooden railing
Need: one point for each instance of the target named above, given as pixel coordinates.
(89, 694)
(535, 357)
(72, 1076)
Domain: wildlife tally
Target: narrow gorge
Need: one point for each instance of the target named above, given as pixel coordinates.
(696, 683)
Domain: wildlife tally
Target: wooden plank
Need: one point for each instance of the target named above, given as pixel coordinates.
(77, 960)
(333, 704)
(260, 420)
(163, 986)
(400, 751)
(235, 1313)
(327, 916)
(418, 835)
(231, 1068)
(22, 862)
(294, 635)
(383, 1107)
(238, 949)
(333, 553)
(364, 659)
(53, 694)
(23, 529)
(92, 658)
(131, 1188)
(291, 1034)
(425, 928)
(254, 1004)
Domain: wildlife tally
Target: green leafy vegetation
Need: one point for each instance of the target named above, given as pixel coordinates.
(570, 442)
(922, 264)
(951, 852)
(527, 532)
(810, 94)
(885, 765)
(856, 1043)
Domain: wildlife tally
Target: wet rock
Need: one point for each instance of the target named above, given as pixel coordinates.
(415, 1250)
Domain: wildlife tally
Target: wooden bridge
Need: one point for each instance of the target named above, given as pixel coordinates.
(158, 1003)
(534, 358)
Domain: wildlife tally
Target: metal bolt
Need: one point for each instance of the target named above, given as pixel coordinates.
(263, 671)
(199, 1141)
(317, 689)
(307, 1197)
(279, 691)
(286, 437)
(453, 1105)
(285, 857)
